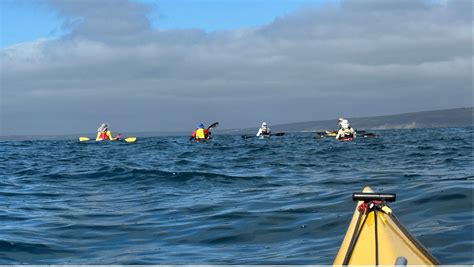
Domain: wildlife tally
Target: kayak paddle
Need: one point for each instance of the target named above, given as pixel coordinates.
(214, 125)
(82, 139)
(130, 139)
(369, 135)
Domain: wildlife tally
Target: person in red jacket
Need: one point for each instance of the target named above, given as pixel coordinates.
(103, 133)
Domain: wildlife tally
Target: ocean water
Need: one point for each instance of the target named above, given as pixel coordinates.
(282, 200)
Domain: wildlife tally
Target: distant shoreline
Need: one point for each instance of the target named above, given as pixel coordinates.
(446, 118)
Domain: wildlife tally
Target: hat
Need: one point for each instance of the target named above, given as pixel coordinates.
(103, 127)
(200, 125)
(264, 124)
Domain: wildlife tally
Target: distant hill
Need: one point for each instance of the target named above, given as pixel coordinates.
(459, 117)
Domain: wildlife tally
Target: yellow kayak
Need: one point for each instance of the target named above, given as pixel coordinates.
(128, 139)
(376, 237)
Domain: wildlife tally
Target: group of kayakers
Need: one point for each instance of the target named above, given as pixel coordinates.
(201, 133)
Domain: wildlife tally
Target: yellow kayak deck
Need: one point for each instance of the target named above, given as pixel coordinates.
(376, 237)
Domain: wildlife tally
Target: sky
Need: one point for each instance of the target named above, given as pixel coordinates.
(142, 65)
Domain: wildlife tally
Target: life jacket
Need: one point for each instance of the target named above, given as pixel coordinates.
(265, 131)
(347, 133)
(103, 135)
(201, 133)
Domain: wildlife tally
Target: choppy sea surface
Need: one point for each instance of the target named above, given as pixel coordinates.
(282, 200)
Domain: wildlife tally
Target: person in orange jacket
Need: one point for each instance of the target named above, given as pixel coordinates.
(200, 133)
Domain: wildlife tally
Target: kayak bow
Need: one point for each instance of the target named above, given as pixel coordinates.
(376, 237)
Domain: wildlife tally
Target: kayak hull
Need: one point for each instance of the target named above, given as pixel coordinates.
(361, 246)
(346, 139)
(128, 140)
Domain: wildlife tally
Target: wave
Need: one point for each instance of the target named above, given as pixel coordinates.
(231, 201)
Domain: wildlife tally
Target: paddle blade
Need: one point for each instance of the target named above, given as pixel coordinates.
(279, 134)
(130, 139)
(83, 139)
(214, 125)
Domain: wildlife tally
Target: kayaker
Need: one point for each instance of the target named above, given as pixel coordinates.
(201, 133)
(103, 133)
(339, 121)
(345, 131)
(264, 130)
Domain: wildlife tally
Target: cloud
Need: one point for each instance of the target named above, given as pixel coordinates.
(354, 58)
(114, 21)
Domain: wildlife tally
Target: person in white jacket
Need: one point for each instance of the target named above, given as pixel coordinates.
(264, 130)
(346, 131)
(339, 121)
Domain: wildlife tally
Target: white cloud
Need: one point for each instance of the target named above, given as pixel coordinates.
(302, 66)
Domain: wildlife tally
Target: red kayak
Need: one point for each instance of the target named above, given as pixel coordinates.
(345, 139)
